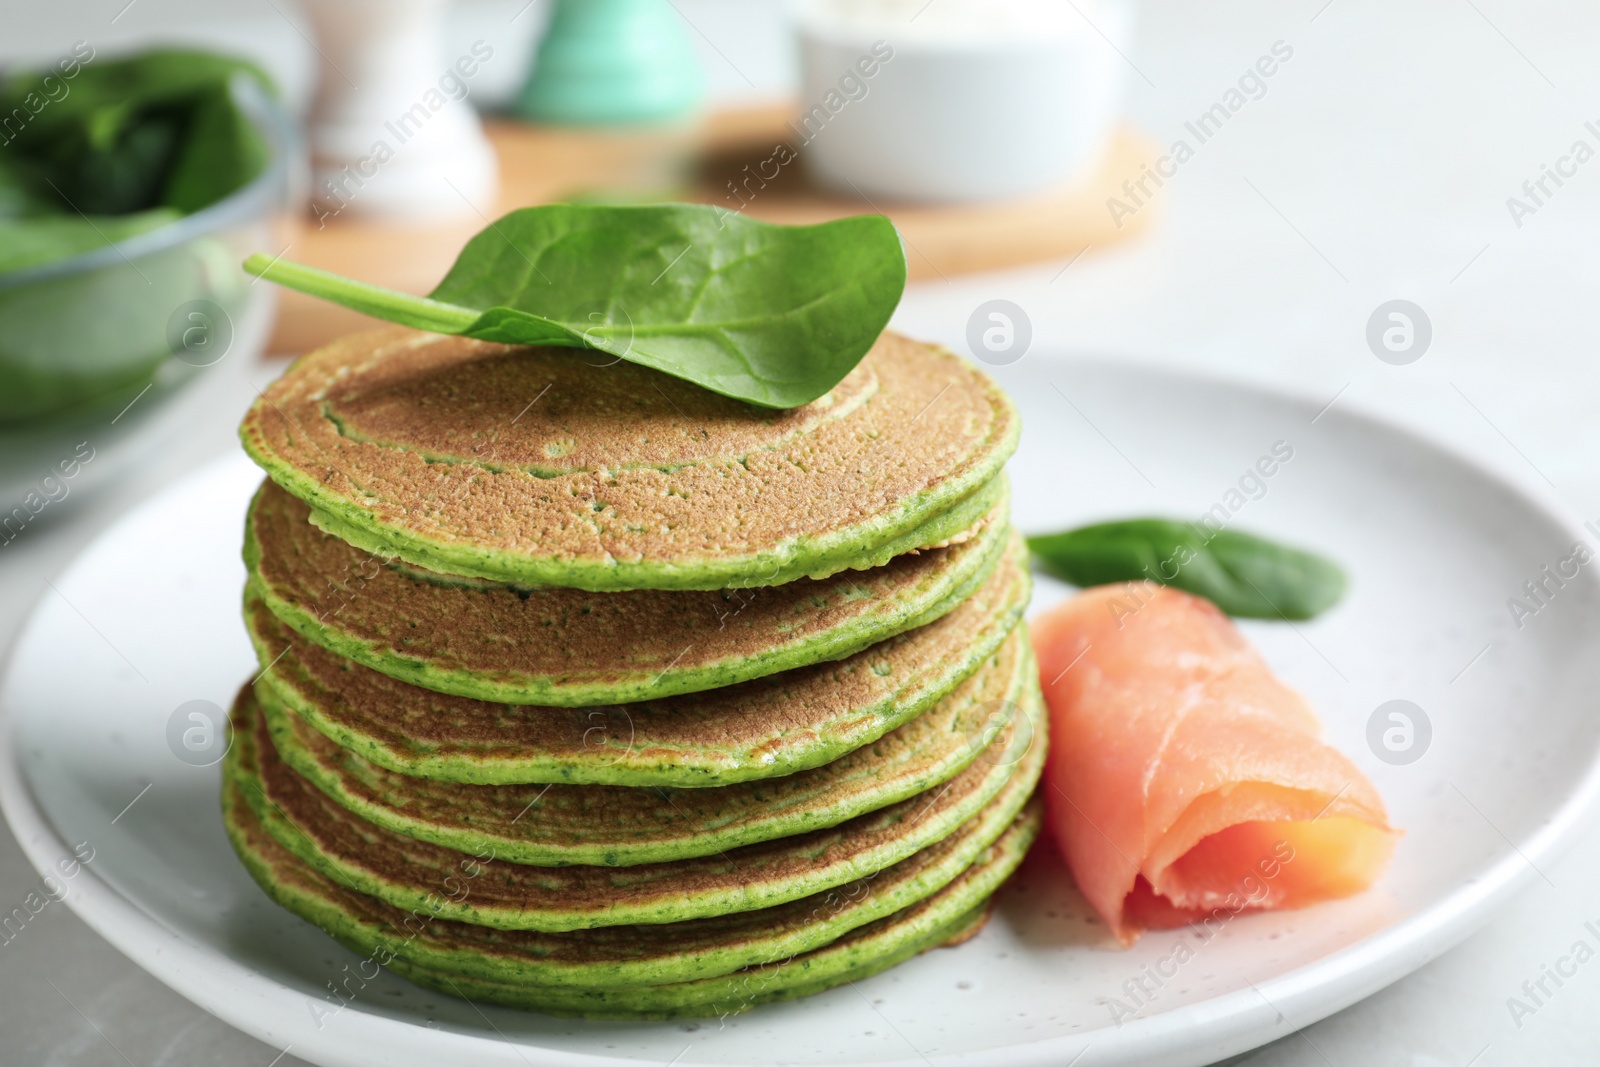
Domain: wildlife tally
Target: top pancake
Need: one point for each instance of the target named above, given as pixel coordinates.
(560, 467)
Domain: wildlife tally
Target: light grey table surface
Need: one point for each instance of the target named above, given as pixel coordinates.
(1377, 165)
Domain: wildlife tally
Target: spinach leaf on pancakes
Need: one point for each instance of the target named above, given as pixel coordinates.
(769, 314)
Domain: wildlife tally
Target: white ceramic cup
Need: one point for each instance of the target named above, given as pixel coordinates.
(969, 100)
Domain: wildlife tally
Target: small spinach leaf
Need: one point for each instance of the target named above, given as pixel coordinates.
(1242, 574)
(773, 315)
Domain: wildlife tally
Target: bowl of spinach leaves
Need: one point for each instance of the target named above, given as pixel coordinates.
(130, 189)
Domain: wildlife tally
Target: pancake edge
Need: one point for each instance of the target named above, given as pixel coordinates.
(646, 909)
(839, 909)
(1022, 690)
(828, 646)
(951, 913)
(847, 958)
(605, 769)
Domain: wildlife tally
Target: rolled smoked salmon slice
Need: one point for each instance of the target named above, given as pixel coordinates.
(1184, 780)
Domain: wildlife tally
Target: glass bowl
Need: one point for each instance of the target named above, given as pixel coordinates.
(138, 319)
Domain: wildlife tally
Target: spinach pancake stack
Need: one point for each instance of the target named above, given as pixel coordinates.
(589, 690)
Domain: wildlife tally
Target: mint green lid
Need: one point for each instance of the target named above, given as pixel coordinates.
(613, 62)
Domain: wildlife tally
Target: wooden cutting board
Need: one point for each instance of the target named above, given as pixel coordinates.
(721, 161)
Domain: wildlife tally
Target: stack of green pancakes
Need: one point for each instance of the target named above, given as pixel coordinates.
(588, 690)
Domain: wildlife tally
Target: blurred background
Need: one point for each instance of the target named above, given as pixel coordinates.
(1377, 206)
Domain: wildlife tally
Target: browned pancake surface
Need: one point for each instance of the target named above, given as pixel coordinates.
(561, 455)
(360, 605)
(761, 728)
(557, 824)
(479, 888)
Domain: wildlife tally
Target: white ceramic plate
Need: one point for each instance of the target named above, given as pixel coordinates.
(147, 620)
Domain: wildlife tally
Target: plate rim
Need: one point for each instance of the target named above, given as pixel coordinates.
(1232, 1022)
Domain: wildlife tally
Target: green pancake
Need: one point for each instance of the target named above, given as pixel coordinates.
(539, 466)
(554, 825)
(853, 958)
(627, 954)
(478, 889)
(571, 648)
(764, 728)
(453, 957)
(950, 916)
